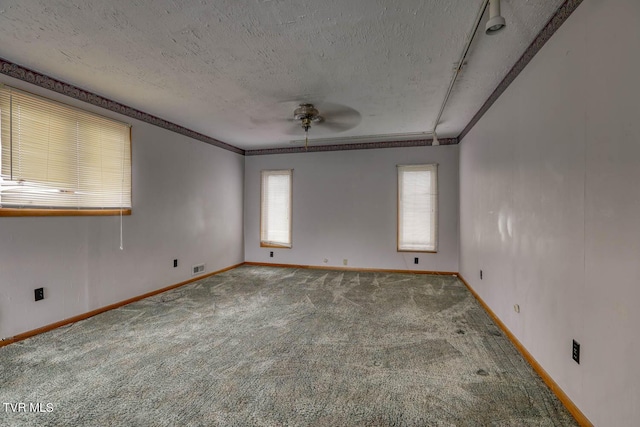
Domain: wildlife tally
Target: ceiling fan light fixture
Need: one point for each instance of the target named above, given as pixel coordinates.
(496, 21)
(336, 118)
(307, 114)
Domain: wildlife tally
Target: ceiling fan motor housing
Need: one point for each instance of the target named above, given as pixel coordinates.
(307, 114)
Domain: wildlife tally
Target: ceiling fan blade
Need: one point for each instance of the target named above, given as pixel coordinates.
(270, 114)
(338, 118)
(333, 112)
(269, 121)
(336, 127)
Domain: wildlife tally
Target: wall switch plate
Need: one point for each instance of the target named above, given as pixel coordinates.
(576, 352)
(516, 308)
(39, 293)
(271, 254)
(415, 260)
(175, 263)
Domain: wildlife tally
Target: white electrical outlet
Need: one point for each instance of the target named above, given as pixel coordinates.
(345, 261)
(325, 260)
(516, 308)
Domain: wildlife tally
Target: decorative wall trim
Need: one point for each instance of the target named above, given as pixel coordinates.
(561, 15)
(25, 74)
(74, 319)
(356, 146)
(582, 420)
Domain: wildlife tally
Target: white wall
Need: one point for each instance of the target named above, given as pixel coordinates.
(345, 206)
(187, 204)
(550, 208)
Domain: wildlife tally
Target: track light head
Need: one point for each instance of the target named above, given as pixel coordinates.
(495, 24)
(496, 21)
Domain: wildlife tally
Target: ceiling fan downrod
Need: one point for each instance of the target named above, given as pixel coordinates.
(307, 114)
(306, 138)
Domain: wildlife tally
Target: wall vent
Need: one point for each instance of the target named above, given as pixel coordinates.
(197, 269)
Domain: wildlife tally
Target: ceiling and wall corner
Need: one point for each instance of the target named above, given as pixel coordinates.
(545, 34)
(42, 80)
(352, 146)
(222, 71)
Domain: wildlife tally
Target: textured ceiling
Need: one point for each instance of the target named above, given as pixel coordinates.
(234, 70)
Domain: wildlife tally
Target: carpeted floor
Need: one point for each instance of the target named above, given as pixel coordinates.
(281, 347)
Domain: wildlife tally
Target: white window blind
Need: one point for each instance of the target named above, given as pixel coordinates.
(57, 156)
(417, 207)
(275, 208)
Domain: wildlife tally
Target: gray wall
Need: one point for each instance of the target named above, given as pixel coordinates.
(187, 204)
(550, 209)
(345, 206)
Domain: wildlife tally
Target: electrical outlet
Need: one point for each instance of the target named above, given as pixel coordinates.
(345, 261)
(39, 293)
(415, 260)
(480, 274)
(175, 263)
(516, 308)
(325, 260)
(576, 352)
(271, 254)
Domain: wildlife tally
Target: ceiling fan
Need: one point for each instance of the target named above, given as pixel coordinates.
(334, 117)
(326, 117)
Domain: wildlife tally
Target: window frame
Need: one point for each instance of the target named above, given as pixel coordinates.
(42, 211)
(267, 244)
(433, 167)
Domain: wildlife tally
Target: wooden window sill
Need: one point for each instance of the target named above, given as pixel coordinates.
(271, 245)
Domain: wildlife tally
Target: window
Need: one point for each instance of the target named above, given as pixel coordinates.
(275, 208)
(59, 160)
(417, 208)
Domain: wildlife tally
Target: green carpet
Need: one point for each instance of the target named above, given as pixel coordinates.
(260, 346)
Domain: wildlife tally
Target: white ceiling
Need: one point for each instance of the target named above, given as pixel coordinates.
(234, 70)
